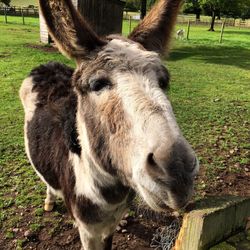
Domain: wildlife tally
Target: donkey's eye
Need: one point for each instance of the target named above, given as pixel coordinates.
(164, 78)
(163, 83)
(99, 84)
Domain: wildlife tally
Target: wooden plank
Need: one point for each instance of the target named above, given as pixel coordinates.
(44, 34)
(213, 220)
(105, 16)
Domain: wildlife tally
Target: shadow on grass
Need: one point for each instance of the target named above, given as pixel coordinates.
(221, 55)
(237, 32)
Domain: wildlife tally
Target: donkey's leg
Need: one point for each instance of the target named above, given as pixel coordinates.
(93, 242)
(50, 200)
(90, 242)
(108, 243)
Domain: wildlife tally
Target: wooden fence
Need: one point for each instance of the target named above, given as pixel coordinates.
(182, 19)
(19, 11)
(104, 16)
(205, 20)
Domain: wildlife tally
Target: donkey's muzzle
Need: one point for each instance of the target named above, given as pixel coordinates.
(175, 161)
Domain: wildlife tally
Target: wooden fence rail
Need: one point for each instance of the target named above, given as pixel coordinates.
(182, 19)
(19, 11)
(204, 21)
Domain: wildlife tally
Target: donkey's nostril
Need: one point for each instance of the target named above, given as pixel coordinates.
(194, 163)
(151, 159)
(194, 166)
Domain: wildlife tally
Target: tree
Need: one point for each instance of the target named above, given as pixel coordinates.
(193, 6)
(150, 3)
(244, 6)
(139, 5)
(132, 5)
(143, 8)
(6, 2)
(228, 8)
(213, 8)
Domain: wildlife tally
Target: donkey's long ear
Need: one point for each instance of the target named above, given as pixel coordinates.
(71, 33)
(154, 32)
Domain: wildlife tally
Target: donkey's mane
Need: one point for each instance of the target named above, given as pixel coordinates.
(52, 82)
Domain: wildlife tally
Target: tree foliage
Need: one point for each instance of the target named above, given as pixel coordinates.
(132, 5)
(244, 6)
(6, 2)
(192, 6)
(221, 7)
(213, 8)
(229, 8)
(137, 5)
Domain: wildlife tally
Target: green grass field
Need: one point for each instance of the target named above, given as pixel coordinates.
(24, 3)
(210, 93)
(19, 20)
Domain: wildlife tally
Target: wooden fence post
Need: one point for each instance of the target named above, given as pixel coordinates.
(222, 31)
(188, 29)
(23, 16)
(5, 15)
(130, 24)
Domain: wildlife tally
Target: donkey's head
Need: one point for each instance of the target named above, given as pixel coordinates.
(125, 121)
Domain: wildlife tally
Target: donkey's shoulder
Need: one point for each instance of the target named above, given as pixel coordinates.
(50, 104)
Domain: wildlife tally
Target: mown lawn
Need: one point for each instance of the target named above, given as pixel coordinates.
(210, 93)
(31, 21)
(24, 3)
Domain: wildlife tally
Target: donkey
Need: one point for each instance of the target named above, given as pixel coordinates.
(100, 133)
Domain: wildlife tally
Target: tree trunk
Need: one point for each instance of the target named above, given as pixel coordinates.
(218, 16)
(212, 22)
(143, 8)
(198, 16)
